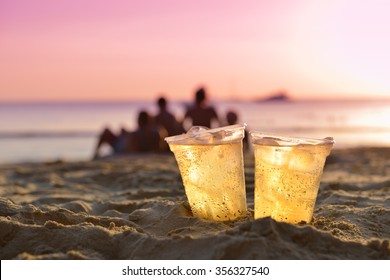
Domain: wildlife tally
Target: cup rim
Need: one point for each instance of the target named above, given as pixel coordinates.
(288, 140)
(180, 137)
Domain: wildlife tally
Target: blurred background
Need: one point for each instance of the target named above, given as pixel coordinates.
(70, 68)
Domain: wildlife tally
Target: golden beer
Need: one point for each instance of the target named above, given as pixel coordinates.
(213, 174)
(287, 176)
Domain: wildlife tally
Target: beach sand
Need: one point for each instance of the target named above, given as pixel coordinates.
(135, 207)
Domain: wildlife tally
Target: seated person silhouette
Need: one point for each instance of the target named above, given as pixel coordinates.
(200, 113)
(167, 120)
(116, 142)
(232, 118)
(145, 139)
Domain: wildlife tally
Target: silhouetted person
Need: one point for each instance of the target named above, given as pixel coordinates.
(232, 118)
(200, 113)
(145, 139)
(167, 120)
(116, 142)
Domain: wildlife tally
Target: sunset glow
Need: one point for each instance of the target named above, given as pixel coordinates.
(134, 50)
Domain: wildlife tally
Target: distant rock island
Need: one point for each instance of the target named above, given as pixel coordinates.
(278, 96)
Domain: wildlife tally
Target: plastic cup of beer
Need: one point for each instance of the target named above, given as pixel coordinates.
(212, 169)
(287, 175)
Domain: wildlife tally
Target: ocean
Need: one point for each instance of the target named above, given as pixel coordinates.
(31, 132)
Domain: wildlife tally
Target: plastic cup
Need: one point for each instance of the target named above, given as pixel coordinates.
(287, 175)
(212, 169)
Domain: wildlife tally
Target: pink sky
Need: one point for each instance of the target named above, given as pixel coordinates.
(116, 50)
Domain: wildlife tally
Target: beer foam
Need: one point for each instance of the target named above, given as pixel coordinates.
(259, 138)
(200, 135)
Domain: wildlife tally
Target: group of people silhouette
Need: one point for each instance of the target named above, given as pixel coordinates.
(151, 131)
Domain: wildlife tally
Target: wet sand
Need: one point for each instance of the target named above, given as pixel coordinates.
(135, 208)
